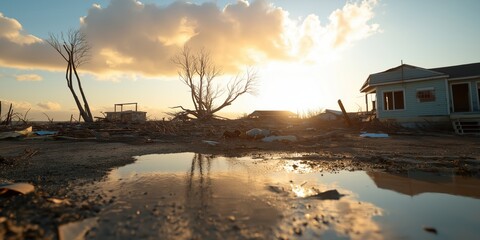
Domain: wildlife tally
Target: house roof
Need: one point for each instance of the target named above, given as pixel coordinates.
(460, 71)
(271, 113)
(407, 72)
(401, 73)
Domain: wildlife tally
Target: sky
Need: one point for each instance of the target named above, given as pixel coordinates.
(307, 53)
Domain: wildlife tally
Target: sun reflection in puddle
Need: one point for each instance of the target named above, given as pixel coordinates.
(297, 166)
(189, 195)
(316, 215)
(301, 191)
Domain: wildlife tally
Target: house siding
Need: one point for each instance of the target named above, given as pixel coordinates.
(412, 107)
(474, 94)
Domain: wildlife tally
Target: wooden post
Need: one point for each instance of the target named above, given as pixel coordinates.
(366, 102)
(9, 115)
(345, 115)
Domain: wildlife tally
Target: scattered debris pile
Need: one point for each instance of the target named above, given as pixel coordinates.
(298, 131)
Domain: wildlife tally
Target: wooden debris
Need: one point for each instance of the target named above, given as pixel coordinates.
(345, 115)
(22, 188)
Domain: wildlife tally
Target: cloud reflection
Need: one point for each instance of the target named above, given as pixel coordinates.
(216, 197)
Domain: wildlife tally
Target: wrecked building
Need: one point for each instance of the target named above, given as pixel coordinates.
(126, 116)
(269, 115)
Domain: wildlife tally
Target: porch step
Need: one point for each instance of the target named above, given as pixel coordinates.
(466, 126)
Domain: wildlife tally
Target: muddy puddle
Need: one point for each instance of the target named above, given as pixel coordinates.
(194, 196)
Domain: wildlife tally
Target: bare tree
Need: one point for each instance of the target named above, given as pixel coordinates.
(22, 117)
(74, 49)
(198, 71)
(8, 116)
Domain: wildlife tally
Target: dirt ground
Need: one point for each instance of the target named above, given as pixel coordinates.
(84, 154)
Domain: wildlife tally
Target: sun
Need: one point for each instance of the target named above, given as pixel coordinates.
(299, 88)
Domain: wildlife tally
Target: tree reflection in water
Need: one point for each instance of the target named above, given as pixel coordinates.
(225, 203)
(199, 184)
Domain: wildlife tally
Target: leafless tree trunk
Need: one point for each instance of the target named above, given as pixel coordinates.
(74, 49)
(8, 117)
(198, 71)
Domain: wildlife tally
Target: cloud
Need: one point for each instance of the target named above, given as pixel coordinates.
(351, 23)
(145, 37)
(21, 50)
(128, 37)
(23, 106)
(18, 106)
(50, 106)
(11, 29)
(28, 77)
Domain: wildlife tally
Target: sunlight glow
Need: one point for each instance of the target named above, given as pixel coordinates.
(301, 191)
(185, 31)
(295, 87)
(115, 58)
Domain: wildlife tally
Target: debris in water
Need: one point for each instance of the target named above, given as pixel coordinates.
(430, 230)
(328, 195)
(276, 189)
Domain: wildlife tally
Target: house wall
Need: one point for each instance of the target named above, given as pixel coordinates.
(475, 96)
(415, 110)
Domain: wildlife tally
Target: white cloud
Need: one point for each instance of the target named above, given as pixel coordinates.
(11, 29)
(28, 77)
(53, 106)
(21, 50)
(133, 38)
(351, 23)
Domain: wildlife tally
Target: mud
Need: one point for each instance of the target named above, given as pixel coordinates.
(58, 168)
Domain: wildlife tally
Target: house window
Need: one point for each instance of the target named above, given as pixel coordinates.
(426, 95)
(393, 100)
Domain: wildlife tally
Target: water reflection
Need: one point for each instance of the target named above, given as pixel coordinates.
(196, 196)
(199, 192)
(225, 203)
(416, 182)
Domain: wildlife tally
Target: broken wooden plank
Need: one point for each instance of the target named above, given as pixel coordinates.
(345, 115)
